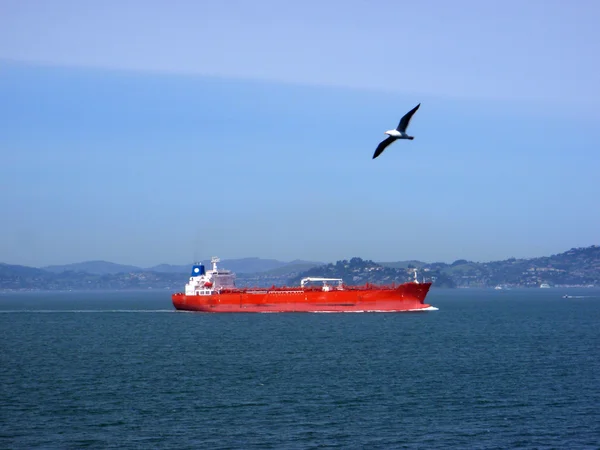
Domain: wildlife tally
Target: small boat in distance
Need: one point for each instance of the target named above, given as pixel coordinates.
(215, 291)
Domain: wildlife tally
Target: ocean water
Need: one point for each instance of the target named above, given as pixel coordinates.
(489, 369)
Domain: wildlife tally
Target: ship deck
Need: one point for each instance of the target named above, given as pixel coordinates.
(298, 289)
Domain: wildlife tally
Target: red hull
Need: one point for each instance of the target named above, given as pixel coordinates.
(406, 297)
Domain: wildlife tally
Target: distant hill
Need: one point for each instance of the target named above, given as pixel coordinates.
(11, 270)
(14, 277)
(357, 271)
(575, 267)
(273, 277)
(248, 266)
(243, 265)
(93, 267)
(169, 268)
(402, 264)
(291, 267)
(254, 265)
(104, 275)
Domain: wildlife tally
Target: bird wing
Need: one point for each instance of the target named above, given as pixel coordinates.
(382, 145)
(403, 125)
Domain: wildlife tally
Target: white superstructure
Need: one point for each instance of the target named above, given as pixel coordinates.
(209, 282)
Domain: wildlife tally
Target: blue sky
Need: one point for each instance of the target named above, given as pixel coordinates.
(153, 132)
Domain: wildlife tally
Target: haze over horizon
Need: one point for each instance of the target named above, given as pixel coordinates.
(206, 259)
(141, 133)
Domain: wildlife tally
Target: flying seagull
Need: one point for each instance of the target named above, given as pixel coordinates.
(398, 133)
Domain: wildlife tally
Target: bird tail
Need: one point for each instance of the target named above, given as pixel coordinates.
(411, 137)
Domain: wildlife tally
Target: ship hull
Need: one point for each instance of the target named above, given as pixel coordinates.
(406, 297)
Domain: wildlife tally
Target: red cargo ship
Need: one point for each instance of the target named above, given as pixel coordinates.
(215, 291)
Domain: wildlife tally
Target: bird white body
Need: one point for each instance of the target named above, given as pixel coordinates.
(397, 134)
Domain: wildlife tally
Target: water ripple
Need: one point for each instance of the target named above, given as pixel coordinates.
(475, 374)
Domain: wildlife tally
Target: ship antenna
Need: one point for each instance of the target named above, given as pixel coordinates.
(197, 257)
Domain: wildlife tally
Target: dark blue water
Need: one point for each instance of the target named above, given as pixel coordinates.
(490, 369)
